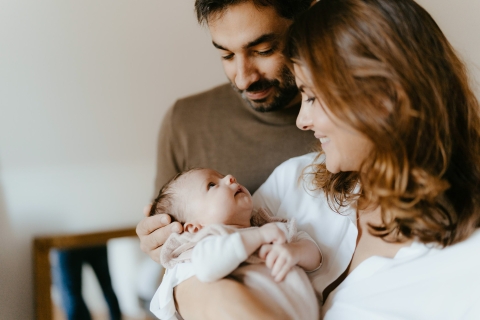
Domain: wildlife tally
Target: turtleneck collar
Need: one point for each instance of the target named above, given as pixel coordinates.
(280, 117)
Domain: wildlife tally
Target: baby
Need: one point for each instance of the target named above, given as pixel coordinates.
(221, 232)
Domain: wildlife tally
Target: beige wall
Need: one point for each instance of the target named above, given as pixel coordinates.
(83, 87)
(460, 22)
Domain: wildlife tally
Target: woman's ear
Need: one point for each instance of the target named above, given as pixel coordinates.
(192, 227)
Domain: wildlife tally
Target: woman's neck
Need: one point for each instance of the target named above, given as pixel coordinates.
(369, 245)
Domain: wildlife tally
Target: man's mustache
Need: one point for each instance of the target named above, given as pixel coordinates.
(261, 85)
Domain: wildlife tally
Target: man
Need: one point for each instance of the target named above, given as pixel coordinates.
(246, 128)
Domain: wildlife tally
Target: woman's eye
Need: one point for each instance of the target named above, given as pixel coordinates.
(210, 185)
(227, 57)
(310, 99)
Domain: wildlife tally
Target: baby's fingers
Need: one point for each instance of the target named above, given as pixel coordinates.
(278, 266)
(264, 250)
(282, 272)
(271, 258)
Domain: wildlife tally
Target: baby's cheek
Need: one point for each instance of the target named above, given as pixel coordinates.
(249, 203)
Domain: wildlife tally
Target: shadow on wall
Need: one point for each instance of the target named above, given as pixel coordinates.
(13, 285)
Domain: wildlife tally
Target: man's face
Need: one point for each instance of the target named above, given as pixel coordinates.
(250, 41)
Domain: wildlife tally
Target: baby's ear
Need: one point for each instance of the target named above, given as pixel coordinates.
(192, 227)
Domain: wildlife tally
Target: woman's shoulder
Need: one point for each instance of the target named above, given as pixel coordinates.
(295, 172)
(467, 248)
(289, 178)
(285, 179)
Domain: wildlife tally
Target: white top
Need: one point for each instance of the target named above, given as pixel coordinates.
(288, 196)
(162, 304)
(213, 258)
(420, 282)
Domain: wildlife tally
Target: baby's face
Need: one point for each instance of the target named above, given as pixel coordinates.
(214, 198)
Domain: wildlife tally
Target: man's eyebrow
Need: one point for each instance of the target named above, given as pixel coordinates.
(269, 37)
(216, 45)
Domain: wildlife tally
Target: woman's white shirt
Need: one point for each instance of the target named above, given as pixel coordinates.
(420, 282)
(288, 194)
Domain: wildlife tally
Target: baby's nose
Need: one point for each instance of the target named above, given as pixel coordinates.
(230, 179)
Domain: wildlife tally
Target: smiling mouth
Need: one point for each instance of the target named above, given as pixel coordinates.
(238, 192)
(258, 95)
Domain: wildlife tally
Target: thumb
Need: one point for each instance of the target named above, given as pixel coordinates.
(176, 227)
(146, 210)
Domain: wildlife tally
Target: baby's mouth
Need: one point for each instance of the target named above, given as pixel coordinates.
(238, 191)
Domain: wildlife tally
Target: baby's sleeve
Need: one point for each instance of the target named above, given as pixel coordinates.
(217, 256)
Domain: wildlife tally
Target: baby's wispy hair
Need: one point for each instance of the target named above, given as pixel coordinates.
(167, 201)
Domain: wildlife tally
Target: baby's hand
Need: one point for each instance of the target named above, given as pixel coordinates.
(271, 233)
(280, 258)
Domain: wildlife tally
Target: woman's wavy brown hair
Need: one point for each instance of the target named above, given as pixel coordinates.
(386, 69)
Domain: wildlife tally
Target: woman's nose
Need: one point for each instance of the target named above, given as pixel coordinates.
(304, 121)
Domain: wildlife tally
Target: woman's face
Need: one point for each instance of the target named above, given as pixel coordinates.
(344, 147)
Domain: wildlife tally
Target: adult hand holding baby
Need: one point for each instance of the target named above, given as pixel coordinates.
(154, 231)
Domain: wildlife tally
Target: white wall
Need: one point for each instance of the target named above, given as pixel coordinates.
(83, 87)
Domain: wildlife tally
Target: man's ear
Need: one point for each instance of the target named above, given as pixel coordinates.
(192, 227)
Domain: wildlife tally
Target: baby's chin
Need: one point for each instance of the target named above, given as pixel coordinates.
(243, 217)
(247, 205)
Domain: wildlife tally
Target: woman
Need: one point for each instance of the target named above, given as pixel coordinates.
(393, 196)
(399, 127)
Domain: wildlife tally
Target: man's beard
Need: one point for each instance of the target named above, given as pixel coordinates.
(285, 91)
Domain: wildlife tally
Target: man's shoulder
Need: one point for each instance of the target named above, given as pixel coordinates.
(205, 107)
(222, 94)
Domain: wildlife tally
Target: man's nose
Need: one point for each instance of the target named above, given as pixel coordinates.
(247, 73)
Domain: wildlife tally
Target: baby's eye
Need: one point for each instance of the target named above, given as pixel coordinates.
(210, 185)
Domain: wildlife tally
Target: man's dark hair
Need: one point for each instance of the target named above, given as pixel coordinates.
(288, 9)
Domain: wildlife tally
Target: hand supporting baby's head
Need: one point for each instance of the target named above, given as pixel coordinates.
(199, 197)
